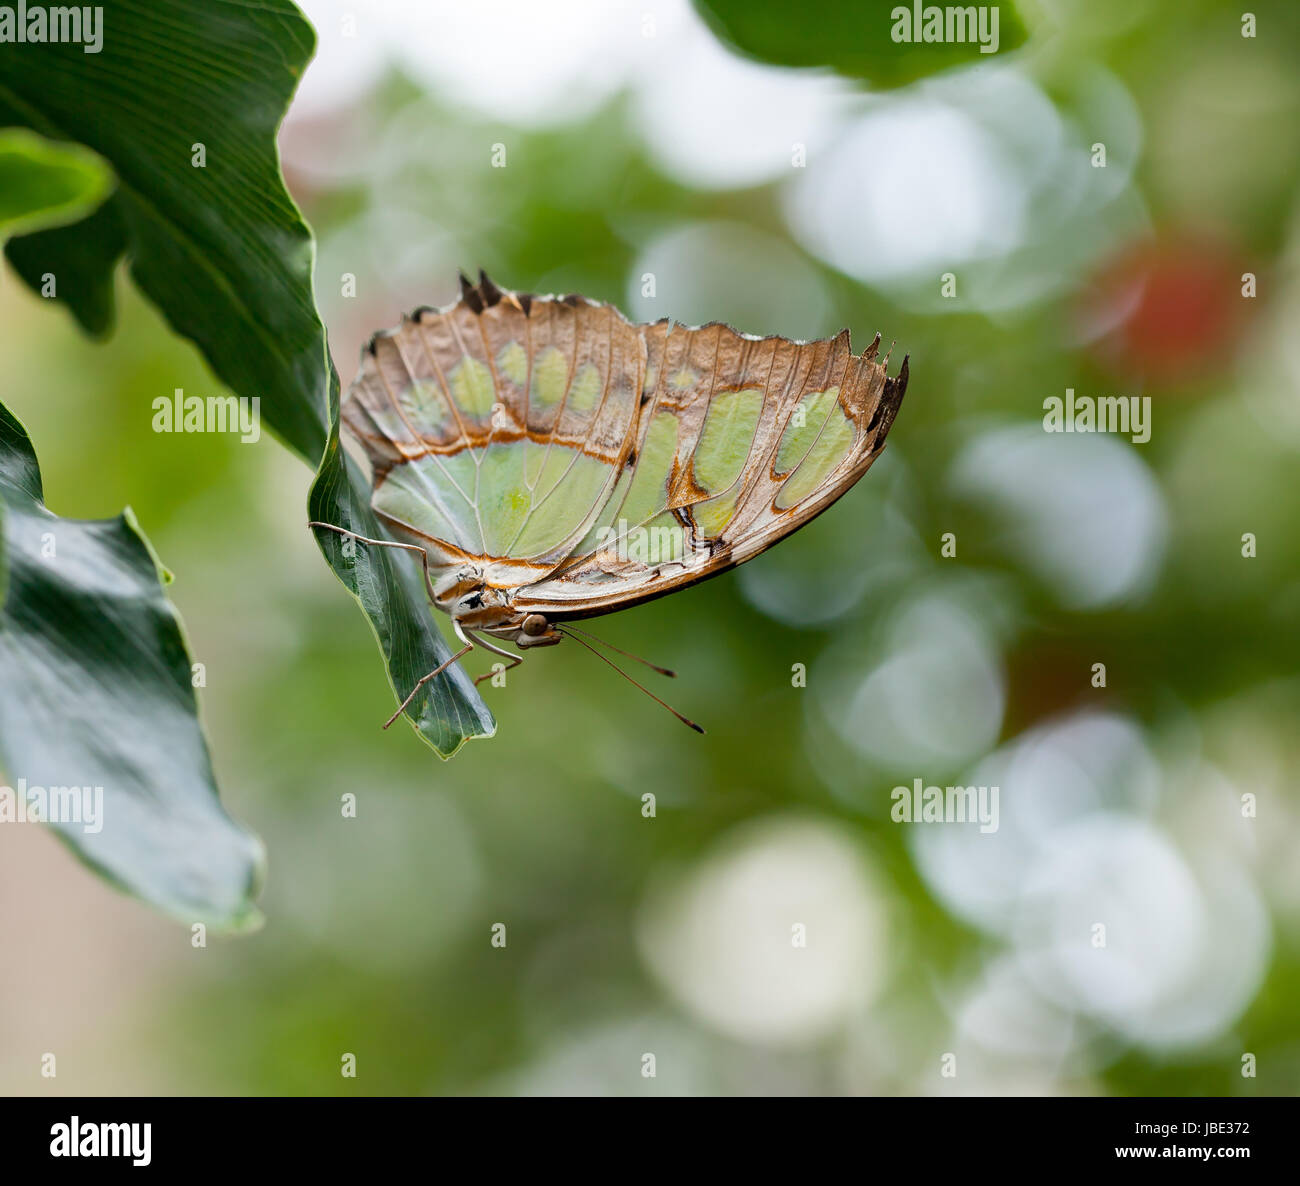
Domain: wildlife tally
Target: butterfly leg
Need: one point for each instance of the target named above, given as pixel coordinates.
(515, 660)
(386, 543)
(437, 671)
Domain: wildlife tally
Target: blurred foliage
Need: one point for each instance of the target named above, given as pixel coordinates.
(918, 664)
(856, 37)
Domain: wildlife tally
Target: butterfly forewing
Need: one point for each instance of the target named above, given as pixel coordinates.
(762, 443)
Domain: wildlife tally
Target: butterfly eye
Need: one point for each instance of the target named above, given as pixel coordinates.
(534, 625)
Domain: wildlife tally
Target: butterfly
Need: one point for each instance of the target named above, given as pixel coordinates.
(550, 460)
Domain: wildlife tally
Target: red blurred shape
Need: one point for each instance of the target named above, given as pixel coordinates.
(1166, 309)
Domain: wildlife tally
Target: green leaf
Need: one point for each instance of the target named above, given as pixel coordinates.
(855, 37)
(184, 102)
(97, 694)
(388, 584)
(44, 184)
(82, 259)
(221, 249)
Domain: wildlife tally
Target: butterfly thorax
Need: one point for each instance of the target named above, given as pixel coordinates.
(475, 605)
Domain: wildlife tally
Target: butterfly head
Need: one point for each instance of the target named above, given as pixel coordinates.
(536, 631)
(476, 605)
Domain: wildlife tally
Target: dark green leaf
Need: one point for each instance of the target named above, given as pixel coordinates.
(855, 37)
(82, 258)
(97, 693)
(389, 586)
(220, 248)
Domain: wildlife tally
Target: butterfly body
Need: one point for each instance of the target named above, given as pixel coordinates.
(554, 461)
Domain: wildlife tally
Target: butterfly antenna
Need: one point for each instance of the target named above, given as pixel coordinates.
(619, 650)
(606, 659)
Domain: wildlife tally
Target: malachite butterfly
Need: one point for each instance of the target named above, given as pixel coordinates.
(552, 461)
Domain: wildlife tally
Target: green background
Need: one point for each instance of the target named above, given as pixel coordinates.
(671, 935)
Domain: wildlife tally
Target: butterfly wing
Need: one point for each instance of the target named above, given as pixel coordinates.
(739, 441)
(497, 427)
